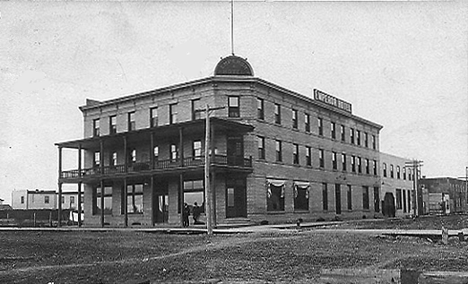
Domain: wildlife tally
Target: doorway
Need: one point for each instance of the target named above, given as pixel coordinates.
(236, 201)
(338, 198)
(160, 203)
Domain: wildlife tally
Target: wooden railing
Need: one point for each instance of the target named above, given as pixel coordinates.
(160, 165)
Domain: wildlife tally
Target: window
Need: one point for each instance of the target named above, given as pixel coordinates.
(353, 164)
(135, 199)
(301, 196)
(308, 156)
(96, 131)
(307, 122)
(277, 114)
(133, 156)
(409, 174)
(343, 134)
(113, 160)
(72, 199)
(324, 196)
(279, 155)
(194, 192)
(321, 158)
(233, 104)
(333, 130)
(22, 199)
(358, 137)
(404, 173)
(196, 109)
(295, 154)
(174, 153)
(384, 166)
(350, 198)
(351, 135)
(154, 117)
(275, 197)
(131, 121)
(156, 153)
(320, 126)
(172, 113)
(113, 124)
(261, 148)
(107, 196)
(97, 159)
(367, 166)
(46, 199)
(391, 171)
(196, 149)
(365, 197)
(294, 119)
(398, 172)
(63, 199)
(374, 146)
(374, 167)
(366, 140)
(399, 199)
(343, 161)
(376, 199)
(260, 109)
(359, 165)
(334, 161)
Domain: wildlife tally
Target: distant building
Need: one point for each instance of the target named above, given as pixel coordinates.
(397, 186)
(42, 199)
(1, 201)
(445, 195)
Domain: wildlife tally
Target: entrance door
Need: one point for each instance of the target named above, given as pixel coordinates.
(376, 199)
(160, 202)
(338, 198)
(236, 201)
(235, 150)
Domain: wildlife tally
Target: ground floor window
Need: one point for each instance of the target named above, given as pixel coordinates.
(398, 199)
(275, 196)
(135, 199)
(107, 196)
(324, 196)
(350, 197)
(404, 201)
(365, 197)
(301, 195)
(194, 194)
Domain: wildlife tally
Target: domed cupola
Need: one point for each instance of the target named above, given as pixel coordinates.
(233, 65)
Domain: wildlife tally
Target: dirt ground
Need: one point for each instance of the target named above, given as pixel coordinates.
(289, 256)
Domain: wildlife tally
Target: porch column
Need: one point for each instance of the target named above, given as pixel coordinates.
(213, 175)
(152, 199)
(125, 154)
(152, 151)
(181, 146)
(79, 185)
(125, 200)
(102, 203)
(181, 199)
(59, 217)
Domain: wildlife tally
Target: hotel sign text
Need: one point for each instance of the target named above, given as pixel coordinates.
(331, 100)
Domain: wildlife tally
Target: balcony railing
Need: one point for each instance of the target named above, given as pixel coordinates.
(160, 165)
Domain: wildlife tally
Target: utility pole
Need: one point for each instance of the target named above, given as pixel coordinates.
(208, 200)
(414, 165)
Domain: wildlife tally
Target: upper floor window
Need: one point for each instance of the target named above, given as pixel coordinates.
(343, 135)
(333, 130)
(295, 154)
(359, 165)
(277, 114)
(321, 158)
(131, 121)
(391, 171)
(113, 161)
(154, 117)
(233, 104)
(294, 119)
(96, 131)
(353, 164)
(307, 122)
(196, 107)
(97, 159)
(172, 113)
(279, 151)
(404, 173)
(320, 126)
(351, 135)
(46, 199)
(343, 161)
(113, 124)
(133, 156)
(196, 149)
(366, 139)
(261, 148)
(156, 153)
(358, 137)
(367, 166)
(374, 146)
(22, 199)
(174, 154)
(334, 161)
(260, 109)
(384, 169)
(374, 167)
(308, 156)
(398, 172)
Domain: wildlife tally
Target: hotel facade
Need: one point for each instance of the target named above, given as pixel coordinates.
(275, 155)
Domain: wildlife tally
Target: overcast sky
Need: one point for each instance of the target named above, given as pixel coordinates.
(403, 65)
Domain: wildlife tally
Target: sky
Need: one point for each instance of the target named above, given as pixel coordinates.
(403, 65)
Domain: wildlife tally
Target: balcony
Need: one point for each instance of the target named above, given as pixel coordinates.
(218, 161)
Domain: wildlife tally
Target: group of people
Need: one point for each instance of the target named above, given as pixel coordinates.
(196, 211)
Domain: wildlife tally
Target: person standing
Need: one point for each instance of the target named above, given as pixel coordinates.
(196, 213)
(186, 214)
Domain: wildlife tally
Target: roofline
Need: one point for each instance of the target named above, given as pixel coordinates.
(227, 78)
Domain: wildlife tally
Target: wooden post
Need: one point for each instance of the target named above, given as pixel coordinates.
(59, 217)
(213, 177)
(181, 198)
(208, 197)
(125, 201)
(34, 219)
(151, 151)
(79, 186)
(102, 203)
(152, 199)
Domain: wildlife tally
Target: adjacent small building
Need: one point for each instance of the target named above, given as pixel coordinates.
(42, 199)
(445, 195)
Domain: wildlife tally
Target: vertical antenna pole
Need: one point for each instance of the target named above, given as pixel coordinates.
(232, 27)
